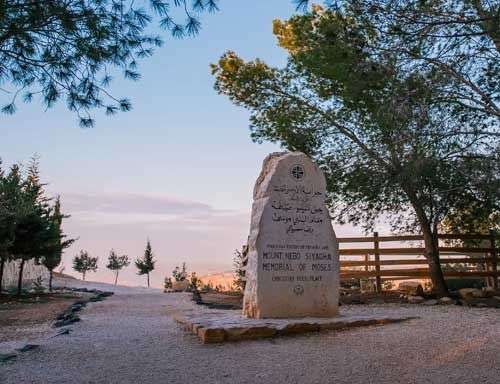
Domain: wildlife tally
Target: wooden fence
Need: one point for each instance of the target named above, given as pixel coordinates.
(482, 261)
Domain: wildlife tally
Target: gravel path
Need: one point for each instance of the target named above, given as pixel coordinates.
(129, 338)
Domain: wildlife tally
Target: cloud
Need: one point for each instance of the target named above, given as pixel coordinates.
(180, 230)
(120, 209)
(129, 203)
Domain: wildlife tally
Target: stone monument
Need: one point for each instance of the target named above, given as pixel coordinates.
(293, 265)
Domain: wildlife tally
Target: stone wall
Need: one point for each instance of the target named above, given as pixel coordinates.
(30, 273)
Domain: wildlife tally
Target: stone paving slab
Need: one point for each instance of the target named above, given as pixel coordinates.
(219, 326)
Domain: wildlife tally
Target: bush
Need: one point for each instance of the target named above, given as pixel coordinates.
(456, 284)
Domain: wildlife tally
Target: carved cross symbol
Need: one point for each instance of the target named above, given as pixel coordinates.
(297, 172)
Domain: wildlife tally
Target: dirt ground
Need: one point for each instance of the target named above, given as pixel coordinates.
(31, 315)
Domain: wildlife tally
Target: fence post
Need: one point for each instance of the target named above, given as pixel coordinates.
(494, 259)
(378, 280)
(367, 259)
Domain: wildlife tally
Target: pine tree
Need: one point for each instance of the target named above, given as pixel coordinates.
(83, 263)
(146, 264)
(56, 241)
(67, 50)
(32, 219)
(9, 191)
(116, 263)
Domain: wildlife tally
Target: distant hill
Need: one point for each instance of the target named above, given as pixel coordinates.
(224, 279)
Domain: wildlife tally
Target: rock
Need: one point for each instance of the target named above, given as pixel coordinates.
(247, 333)
(415, 299)
(446, 300)
(488, 292)
(4, 357)
(180, 286)
(28, 347)
(65, 322)
(65, 331)
(293, 266)
(413, 288)
(468, 293)
(430, 302)
(211, 335)
(295, 328)
(76, 307)
(496, 298)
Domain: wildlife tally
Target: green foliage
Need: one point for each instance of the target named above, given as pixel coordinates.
(56, 241)
(455, 39)
(195, 282)
(378, 124)
(239, 262)
(70, 50)
(180, 274)
(117, 262)
(146, 264)
(84, 263)
(167, 283)
(456, 284)
(30, 226)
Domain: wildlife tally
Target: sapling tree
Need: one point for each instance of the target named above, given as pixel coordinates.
(116, 263)
(84, 263)
(239, 263)
(180, 274)
(146, 264)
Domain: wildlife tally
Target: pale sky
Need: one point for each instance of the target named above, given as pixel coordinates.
(178, 169)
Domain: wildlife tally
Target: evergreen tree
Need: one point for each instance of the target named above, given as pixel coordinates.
(32, 221)
(180, 274)
(56, 241)
(146, 264)
(84, 263)
(116, 263)
(239, 263)
(9, 192)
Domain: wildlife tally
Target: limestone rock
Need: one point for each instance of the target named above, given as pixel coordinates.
(415, 299)
(488, 292)
(248, 333)
(413, 288)
(446, 300)
(430, 302)
(468, 293)
(211, 335)
(293, 267)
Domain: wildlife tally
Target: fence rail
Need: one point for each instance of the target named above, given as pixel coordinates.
(485, 266)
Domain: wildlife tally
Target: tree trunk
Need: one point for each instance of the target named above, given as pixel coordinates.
(148, 279)
(50, 280)
(20, 279)
(2, 264)
(116, 277)
(431, 245)
(83, 275)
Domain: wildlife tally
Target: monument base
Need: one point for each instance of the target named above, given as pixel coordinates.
(217, 326)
